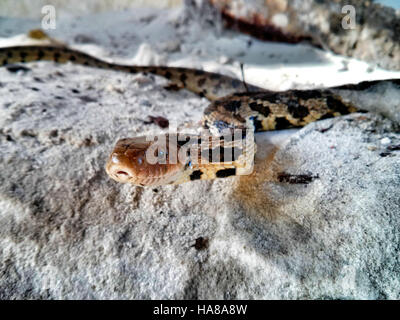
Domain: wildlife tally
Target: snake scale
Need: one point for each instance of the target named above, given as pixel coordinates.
(236, 111)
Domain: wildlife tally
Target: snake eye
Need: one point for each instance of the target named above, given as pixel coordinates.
(162, 154)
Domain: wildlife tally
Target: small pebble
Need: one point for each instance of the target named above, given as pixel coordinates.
(224, 59)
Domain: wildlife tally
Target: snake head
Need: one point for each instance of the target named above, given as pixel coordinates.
(140, 161)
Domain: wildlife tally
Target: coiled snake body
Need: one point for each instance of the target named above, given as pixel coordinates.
(235, 113)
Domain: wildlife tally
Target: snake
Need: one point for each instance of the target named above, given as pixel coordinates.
(237, 110)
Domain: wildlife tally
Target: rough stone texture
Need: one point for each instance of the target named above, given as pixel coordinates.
(69, 232)
(375, 37)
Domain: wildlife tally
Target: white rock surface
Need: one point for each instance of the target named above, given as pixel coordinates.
(68, 232)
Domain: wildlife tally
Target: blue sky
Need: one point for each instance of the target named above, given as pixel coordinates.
(391, 3)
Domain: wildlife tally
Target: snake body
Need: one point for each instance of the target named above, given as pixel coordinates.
(208, 84)
(236, 111)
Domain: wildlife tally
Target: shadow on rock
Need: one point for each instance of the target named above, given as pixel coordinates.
(279, 221)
